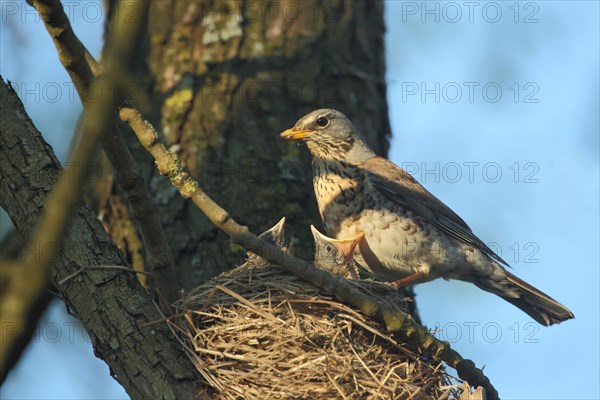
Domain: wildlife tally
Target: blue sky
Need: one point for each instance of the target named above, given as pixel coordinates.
(494, 108)
(541, 135)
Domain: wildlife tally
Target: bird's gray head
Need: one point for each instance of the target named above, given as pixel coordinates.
(330, 135)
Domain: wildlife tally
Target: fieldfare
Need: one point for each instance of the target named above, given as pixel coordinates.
(274, 236)
(336, 255)
(410, 235)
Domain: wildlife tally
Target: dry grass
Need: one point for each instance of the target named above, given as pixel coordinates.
(258, 333)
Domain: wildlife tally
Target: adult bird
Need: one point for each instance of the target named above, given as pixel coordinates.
(410, 235)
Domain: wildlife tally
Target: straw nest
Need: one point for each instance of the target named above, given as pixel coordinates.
(261, 333)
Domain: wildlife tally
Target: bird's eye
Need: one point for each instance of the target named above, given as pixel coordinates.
(322, 122)
(328, 248)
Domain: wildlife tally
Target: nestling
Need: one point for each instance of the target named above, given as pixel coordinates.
(274, 236)
(336, 255)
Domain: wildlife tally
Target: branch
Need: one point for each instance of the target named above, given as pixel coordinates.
(44, 244)
(81, 66)
(112, 305)
(169, 165)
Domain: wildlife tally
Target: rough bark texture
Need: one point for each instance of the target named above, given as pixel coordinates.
(225, 78)
(111, 304)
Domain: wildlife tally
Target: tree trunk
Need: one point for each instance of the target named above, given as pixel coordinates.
(224, 78)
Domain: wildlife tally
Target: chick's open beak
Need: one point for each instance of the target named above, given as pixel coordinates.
(350, 247)
(357, 240)
(294, 134)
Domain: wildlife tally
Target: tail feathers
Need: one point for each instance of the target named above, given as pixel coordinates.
(538, 305)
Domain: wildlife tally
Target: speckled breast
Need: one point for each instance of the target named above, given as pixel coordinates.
(339, 195)
(399, 244)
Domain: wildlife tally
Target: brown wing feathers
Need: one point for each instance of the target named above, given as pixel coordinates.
(399, 186)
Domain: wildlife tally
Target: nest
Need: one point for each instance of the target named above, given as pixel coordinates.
(258, 333)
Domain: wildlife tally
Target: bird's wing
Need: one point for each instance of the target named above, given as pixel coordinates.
(400, 187)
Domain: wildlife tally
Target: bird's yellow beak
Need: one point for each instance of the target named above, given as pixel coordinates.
(294, 134)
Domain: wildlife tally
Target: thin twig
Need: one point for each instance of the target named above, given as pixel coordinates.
(242, 300)
(119, 267)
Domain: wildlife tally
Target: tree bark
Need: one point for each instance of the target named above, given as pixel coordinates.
(116, 311)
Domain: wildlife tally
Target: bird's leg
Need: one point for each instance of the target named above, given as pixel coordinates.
(409, 280)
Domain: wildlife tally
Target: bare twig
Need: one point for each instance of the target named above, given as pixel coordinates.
(169, 165)
(118, 267)
(82, 67)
